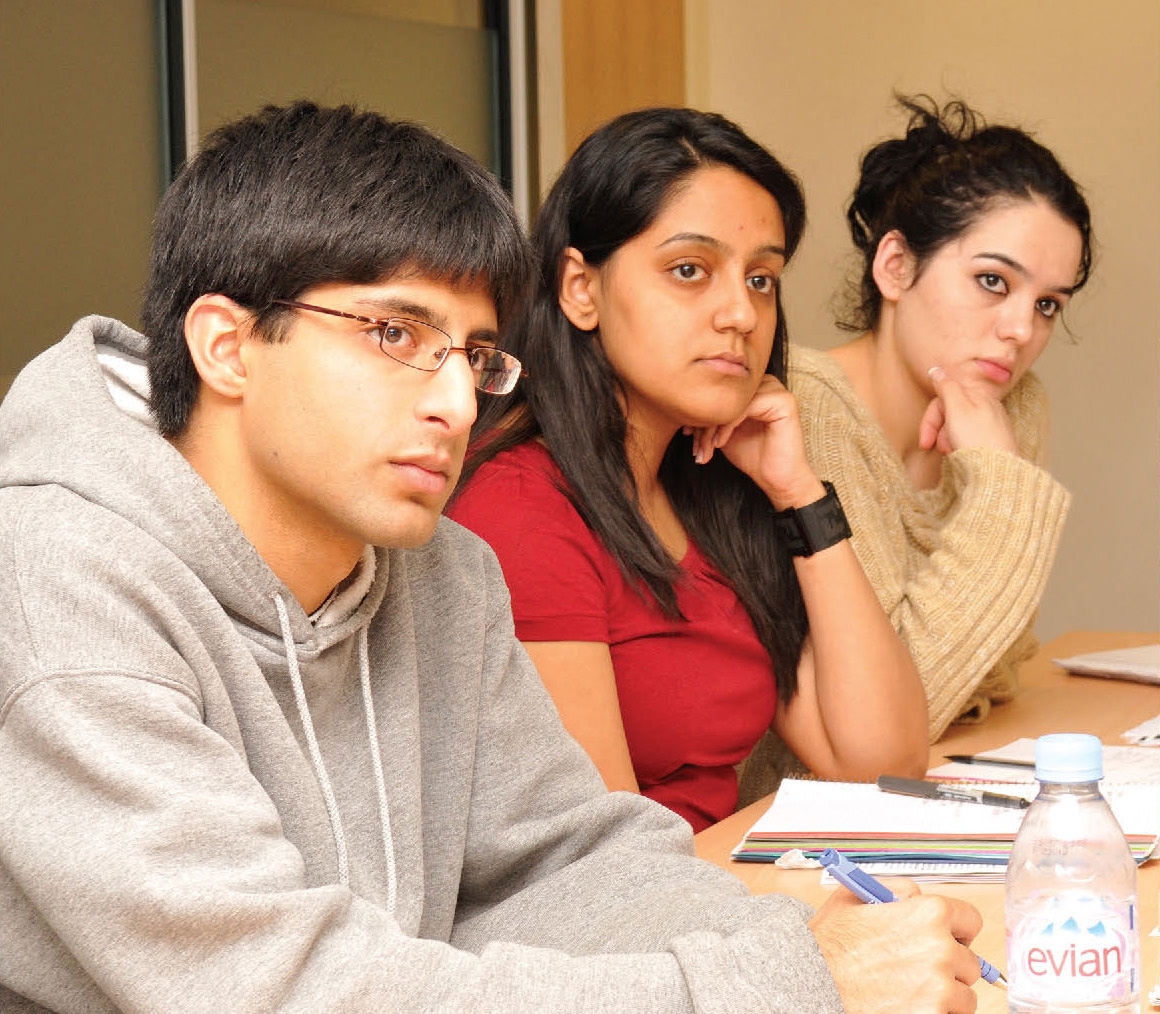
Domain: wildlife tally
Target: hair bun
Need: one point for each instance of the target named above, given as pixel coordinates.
(932, 137)
(934, 182)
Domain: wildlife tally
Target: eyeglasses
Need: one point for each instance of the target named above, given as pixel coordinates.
(425, 347)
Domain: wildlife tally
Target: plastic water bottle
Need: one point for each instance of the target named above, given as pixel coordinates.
(1073, 943)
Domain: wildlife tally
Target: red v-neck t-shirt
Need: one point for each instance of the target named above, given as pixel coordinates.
(695, 693)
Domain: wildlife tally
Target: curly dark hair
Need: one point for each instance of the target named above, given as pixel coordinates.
(935, 182)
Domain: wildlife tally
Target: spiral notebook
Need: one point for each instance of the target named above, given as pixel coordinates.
(932, 838)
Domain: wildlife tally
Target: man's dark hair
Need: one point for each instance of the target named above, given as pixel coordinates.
(301, 195)
(612, 189)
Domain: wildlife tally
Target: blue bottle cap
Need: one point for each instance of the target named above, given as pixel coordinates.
(1069, 757)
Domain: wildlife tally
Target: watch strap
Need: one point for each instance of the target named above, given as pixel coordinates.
(814, 527)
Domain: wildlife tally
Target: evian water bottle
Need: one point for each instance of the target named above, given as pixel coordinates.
(1072, 940)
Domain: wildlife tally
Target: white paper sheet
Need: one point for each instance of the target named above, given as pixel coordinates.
(803, 806)
(1141, 664)
(1122, 764)
(1145, 734)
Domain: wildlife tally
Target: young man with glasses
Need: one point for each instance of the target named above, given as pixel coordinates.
(267, 740)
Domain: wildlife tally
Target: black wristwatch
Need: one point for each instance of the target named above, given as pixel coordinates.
(814, 527)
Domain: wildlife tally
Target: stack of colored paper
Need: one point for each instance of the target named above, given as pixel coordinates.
(906, 832)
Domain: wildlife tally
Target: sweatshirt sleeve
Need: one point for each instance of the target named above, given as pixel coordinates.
(961, 583)
(168, 886)
(559, 862)
(140, 853)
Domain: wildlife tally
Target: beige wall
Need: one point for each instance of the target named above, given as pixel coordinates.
(813, 81)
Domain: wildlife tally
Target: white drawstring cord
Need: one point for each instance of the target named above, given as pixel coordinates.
(312, 741)
(364, 667)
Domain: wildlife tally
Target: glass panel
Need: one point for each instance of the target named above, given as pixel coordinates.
(80, 164)
(439, 71)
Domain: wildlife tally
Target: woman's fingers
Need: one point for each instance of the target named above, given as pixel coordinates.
(963, 416)
(931, 424)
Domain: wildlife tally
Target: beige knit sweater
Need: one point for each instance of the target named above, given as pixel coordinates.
(959, 568)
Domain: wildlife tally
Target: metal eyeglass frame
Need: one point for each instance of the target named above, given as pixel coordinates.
(486, 376)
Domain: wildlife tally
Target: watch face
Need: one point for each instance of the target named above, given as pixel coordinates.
(829, 526)
(790, 530)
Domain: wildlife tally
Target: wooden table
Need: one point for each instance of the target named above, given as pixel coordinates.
(1048, 701)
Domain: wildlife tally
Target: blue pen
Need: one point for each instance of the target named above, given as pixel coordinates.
(869, 890)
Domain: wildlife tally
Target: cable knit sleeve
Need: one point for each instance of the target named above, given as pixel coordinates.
(959, 569)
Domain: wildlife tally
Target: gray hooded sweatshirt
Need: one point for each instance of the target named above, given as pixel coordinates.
(210, 801)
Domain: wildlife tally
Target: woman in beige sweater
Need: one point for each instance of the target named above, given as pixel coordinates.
(930, 423)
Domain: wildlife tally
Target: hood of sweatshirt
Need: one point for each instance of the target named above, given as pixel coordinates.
(80, 422)
(77, 417)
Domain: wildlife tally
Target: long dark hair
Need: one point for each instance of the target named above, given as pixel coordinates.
(611, 190)
(935, 182)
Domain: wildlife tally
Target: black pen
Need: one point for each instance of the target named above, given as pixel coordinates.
(941, 790)
(966, 758)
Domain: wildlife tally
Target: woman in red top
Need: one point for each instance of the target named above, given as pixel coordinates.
(677, 608)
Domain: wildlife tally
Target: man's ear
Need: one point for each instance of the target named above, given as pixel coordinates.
(579, 286)
(215, 329)
(894, 265)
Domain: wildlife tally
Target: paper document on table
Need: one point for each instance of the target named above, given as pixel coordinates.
(1145, 734)
(1141, 664)
(871, 826)
(934, 873)
(807, 807)
(1122, 764)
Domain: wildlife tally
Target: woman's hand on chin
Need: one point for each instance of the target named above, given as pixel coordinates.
(961, 416)
(766, 443)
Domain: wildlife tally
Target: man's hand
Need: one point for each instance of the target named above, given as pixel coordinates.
(908, 956)
(962, 416)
